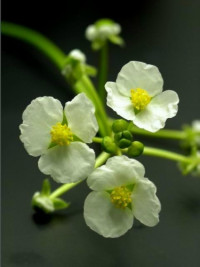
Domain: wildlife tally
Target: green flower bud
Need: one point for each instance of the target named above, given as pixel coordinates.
(127, 135)
(108, 145)
(118, 137)
(124, 143)
(136, 149)
(119, 125)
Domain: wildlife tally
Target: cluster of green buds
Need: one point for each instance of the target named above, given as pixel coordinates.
(122, 139)
(45, 202)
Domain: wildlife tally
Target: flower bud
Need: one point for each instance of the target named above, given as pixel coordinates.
(127, 135)
(119, 125)
(108, 145)
(124, 143)
(42, 202)
(136, 149)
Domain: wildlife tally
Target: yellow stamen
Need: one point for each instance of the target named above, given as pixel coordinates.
(140, 98)
(61, 134)
(121, 197)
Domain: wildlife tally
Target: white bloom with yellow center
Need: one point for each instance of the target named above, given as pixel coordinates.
(121, 192)
(137, 96)
(57, 136)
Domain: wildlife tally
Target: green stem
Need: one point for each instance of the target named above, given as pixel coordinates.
(101, 159)
(85, 85)
(103, 70)
(62, 189)
(169, 134)
(150, 151)
(57, 57)
(36, 39)
(97, 139)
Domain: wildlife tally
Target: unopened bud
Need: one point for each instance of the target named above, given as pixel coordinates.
(124, 143)
(119, 125)
(108, 145)
(136, 149)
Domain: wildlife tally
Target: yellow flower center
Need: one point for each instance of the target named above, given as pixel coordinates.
(121, 197)
(61, 134)
(140, 98)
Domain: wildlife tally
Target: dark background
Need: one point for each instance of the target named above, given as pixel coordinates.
(163, 33)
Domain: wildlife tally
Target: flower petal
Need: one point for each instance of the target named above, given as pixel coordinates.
(118, 102)
(118, 171)
(137, 74)
(38, 118)
(146, 205)
(104, 218)
(68, 164)
(81, 119)
(161, 107)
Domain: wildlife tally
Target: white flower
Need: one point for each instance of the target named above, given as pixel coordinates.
(102, 30)
(56, 135)
(137, 96)
(120, 193)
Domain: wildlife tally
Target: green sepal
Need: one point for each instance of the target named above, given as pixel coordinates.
(130, 187)
(115, 39)
(59, 203)
(46, 188)
(42, 202)
(136, 149)
(98, 44)
(124, 143)
(90, 70)
(119, 125)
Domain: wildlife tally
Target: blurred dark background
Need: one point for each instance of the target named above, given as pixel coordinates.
(162, 33)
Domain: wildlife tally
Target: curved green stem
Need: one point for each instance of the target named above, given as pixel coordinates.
(103, 70)
(85, 84)
(36, 39)
(161, 153)
(58, 58)
(168, 134)
(101, 159)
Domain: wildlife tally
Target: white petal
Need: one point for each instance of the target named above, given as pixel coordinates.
(81, 118)
(196, 126)
(91, 32)
(104, 218)
(78, 55)
(146, 205)
(161, 107)
(121, 104)
(118, 171)
(68, 164)
(137, 74)
(38, 118)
